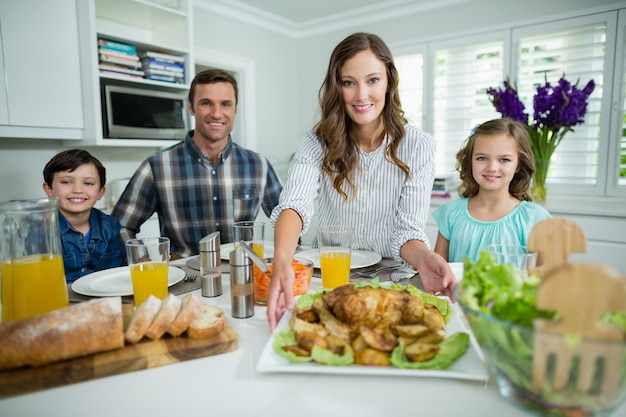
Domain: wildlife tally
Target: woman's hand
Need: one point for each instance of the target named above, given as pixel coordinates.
(280, 294)
(436, 275)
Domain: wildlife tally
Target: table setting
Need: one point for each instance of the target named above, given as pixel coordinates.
(246, 364)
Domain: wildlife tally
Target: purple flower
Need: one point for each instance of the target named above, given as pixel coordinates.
(562, 106)
(556, 108)
(506, 101)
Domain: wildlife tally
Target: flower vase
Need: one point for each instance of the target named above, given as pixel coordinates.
(538, 190)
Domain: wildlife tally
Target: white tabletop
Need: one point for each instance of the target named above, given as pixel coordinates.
(229, 385)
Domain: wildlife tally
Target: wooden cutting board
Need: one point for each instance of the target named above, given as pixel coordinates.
(143, 355)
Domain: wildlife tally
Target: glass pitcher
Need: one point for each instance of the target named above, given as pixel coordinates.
(32, 276)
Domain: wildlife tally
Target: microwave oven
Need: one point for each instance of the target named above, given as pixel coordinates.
(142, 113)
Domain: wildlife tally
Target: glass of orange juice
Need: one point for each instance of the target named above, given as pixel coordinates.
(32, 276)
(252, 233)
(148, 260)
(335, 245)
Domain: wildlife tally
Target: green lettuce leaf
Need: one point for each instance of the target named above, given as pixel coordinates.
(452, 348)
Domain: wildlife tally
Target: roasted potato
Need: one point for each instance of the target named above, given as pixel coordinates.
(372, 357)
(420, 352)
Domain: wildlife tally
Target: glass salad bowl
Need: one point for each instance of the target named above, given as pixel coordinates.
(488, 291)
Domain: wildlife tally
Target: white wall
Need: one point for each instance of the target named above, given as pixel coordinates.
(22, 162)
(288, 75)
(275, 78)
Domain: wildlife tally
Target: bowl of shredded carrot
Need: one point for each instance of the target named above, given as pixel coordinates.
(303, 271)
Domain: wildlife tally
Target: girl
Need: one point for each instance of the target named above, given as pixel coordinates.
(496, 166)
(374, 171)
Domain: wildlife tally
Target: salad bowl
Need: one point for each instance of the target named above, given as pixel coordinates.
(499, 305)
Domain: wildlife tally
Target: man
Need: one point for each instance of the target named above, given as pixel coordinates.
(204, 183)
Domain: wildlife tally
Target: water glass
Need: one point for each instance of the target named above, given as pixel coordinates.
(252, 233)
(517, 255)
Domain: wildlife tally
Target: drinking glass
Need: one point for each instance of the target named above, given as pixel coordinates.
(335, 246)
(252, 233)
(148, 259)
(518, 255)
(32, 276)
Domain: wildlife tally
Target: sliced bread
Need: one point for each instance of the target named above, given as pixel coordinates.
(208, 322)
(170, 307)
(142, 318)
(189, 310)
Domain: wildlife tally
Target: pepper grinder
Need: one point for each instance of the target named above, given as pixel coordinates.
(241, 287)
(211, 265)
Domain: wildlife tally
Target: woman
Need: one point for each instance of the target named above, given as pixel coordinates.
(368, 167)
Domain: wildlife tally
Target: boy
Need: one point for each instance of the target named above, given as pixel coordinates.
(90, 238)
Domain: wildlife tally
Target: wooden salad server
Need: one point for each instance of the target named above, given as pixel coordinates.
(580, 293)
(555, 240)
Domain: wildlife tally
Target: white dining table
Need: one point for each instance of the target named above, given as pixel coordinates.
(230, 385)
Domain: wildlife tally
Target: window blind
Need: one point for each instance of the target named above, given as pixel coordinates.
(578, 54)
(462, 74)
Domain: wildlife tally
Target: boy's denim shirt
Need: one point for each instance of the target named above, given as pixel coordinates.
(104, 249)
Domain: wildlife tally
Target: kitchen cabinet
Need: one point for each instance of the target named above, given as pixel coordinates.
(148, 26)
(41, 96)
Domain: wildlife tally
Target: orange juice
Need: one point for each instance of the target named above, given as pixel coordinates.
(149, 278)
(258, 248)
(335, 268)
(33, 285)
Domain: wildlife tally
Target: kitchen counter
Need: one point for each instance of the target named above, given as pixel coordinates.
(229, 385)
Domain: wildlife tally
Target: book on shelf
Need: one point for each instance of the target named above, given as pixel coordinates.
(165, 78)
(115, 74)
(164, 72)
(121, 69)
(121, 61)
(117, 54)
(440, 194)
(117, 46)
(163, 57)
(160, 65)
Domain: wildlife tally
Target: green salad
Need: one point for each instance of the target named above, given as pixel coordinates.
(451, 348)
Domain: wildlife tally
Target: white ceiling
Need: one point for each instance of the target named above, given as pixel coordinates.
(306, 17)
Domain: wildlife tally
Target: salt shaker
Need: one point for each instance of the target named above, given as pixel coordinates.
(211, 265)
(241, 287)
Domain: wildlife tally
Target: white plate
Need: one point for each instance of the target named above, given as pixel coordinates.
(225, 250)
(358, 258)
(469, 366)
(116, 281)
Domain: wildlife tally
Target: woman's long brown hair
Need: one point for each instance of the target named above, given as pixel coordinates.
(519, 186)
(334, 128)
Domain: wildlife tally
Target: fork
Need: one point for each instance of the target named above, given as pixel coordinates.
(190, 278)
(372, 274)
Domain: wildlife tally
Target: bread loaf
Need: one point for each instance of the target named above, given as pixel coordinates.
(142, 319)
(78, 330)
(209, 322)
(189, 310)
(170, 307)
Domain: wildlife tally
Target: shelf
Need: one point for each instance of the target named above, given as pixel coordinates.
(138, 143)
(139, 13)
(143, 81)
